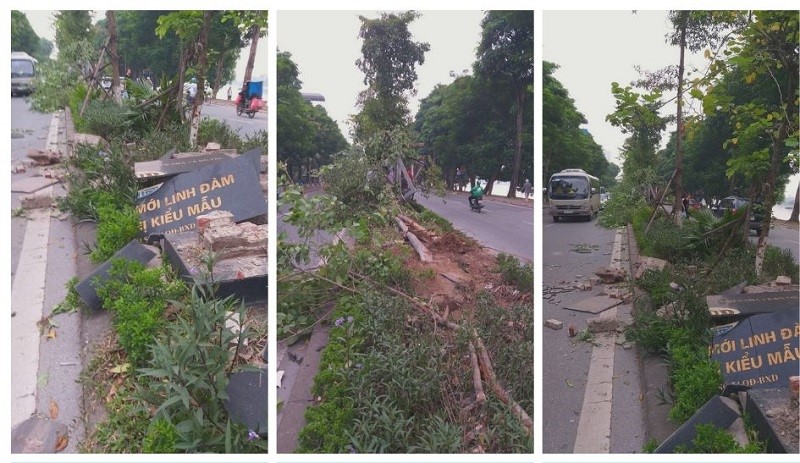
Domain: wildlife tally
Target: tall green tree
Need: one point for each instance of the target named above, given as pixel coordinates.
(73, 29)
(505, 54)
(389, 60)
(767, 47)
(307, 136)
(253, 25)
(23, 37)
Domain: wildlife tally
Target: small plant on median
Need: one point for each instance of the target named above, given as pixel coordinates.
(96, 177)
(711, 439)
(188, 375)
(117, 225)
(516, 274)
(137, 297)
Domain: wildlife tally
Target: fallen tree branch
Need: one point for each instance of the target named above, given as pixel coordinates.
(424, 254)
(413, 223)
(402, 226)
(500, 392)
(480, 396)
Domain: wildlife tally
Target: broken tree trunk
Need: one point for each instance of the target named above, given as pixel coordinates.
(424, 254)
(402, 226)
(480, 396)
(500, 392)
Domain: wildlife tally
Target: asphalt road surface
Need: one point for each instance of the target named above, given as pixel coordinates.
(572, 251)
(504, 227)
(221, 110)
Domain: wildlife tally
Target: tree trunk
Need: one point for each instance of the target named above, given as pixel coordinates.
(512, 189)
(254, 33)
(218, 78)
(678, 178)
(201, 78)
(796, 208)
(111, 19)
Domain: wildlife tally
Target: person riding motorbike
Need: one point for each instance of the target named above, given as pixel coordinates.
(475, 194)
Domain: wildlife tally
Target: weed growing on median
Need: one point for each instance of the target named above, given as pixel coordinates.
(711, 439)
(117, 225)
(516, 274)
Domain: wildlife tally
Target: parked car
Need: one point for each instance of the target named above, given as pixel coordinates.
(736, 203)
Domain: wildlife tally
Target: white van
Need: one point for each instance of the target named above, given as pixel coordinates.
(23, 70)
(573, 193)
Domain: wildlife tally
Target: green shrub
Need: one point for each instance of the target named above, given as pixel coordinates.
(779, 261)
(161, 437)
(516, 274)
(619, 210)
(117, 225)
(212, 130)
(97, 177)
(107, 119)
(188, 375)
(137, 297)
(711, 439)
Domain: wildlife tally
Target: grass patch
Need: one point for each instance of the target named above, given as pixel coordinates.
(516, 274)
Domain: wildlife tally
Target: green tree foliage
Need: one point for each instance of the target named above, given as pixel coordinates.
(24, 38)
(73, 34)
(565, 144)
(389, 60)
(140, 48)
(505, 55)
(307, 136)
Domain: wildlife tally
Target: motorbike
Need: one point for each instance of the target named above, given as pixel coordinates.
(249, 99)
(476, 205)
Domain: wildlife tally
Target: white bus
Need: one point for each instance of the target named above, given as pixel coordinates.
(23, 70)
(573, 193)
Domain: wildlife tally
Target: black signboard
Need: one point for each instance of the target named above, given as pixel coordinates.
(761, 351)
(86, 289)
(230, 185)
(741, 305)
(719, 411)
(169, 167)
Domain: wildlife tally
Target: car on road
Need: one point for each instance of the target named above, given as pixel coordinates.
(733, 204)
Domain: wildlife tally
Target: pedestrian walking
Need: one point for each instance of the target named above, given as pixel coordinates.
(230, 93)
(526, 188)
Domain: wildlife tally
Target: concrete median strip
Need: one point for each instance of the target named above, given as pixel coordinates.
(594, 426)
(27, 300)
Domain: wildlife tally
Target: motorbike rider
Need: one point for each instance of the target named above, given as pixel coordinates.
(475, 194)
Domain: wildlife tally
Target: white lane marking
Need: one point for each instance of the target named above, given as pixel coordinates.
(594, 426)
(27, 300)
(527, 223)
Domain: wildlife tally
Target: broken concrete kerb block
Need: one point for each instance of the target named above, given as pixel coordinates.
(609, 275)
(554, 324)
(605, 322)
(220, 234)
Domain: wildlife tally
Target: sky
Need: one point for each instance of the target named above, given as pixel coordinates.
(42, 23)
(619, 41)
(326, 58)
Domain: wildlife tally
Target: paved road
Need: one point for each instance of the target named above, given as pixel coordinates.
(617, 427)
(43, 252)
(505, 227)
(223, 111)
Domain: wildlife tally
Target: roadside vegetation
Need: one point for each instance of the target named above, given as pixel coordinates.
(415, 362)
(160, 376)
(745, 144)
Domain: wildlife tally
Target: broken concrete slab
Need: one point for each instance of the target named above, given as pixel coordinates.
(554, 324)
(37, 435)
(227, 239)
(721, 412)
(611, 275)
(740, 305)
(244, 277)
(595, 304)
(88, 139)
(783, 281)
(232, 185)
(646, 263)
(39, 200)
(759, 352)
(247, 403)
(161, 168)
(32, 184)
(44, 157)
(775, 416)
(605, 322)
(86, 289)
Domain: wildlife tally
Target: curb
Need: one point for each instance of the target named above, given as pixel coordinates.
(653, 370)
